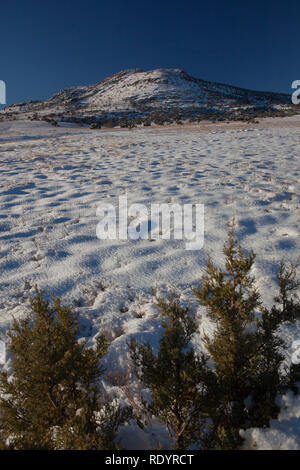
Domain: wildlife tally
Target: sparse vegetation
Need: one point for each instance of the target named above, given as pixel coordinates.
(210, 405)
(54, 398)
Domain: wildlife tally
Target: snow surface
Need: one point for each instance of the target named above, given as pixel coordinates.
(53, 180)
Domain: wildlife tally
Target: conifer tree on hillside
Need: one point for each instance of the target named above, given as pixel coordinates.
(53, 399)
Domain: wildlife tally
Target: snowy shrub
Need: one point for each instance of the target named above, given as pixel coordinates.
(207, 400)
(53, 400)
(173, 376)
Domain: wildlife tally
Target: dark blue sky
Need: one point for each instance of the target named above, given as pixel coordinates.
(49, 45)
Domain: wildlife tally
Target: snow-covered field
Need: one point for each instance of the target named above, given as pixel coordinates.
(53, 180)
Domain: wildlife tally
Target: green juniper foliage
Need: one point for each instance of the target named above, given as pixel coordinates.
(245, 349)
(173, 375)
(287, 299)
(53, 398)
(287, 308)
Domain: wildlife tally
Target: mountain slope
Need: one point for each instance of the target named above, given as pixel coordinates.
(133, 94)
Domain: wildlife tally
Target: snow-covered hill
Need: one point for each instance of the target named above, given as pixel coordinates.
(171, 94)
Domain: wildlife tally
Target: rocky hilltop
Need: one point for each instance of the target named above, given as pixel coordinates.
(162, 95)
